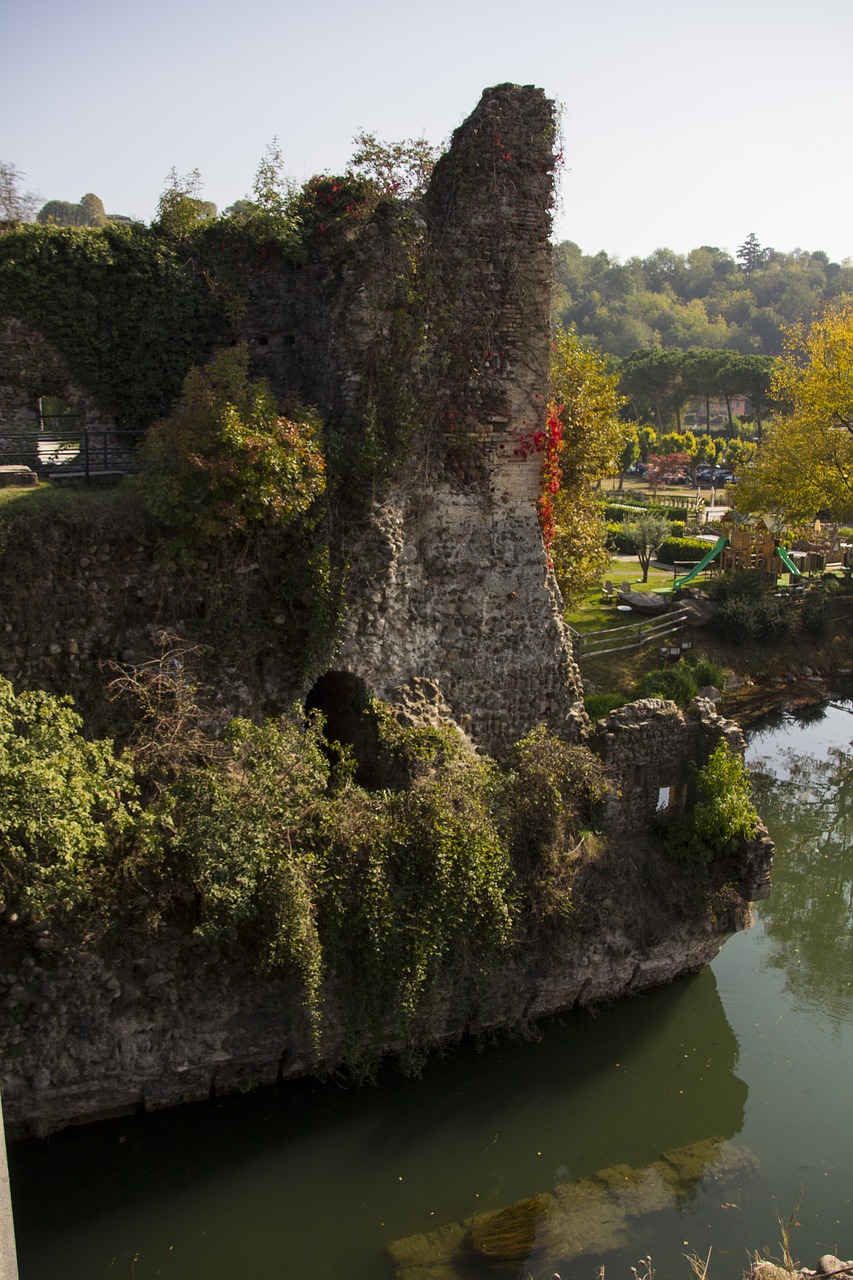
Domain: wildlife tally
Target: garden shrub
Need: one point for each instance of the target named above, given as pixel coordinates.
(748, 583)
(618, 538)
(815, 611)
(677, 683)
(723, 814)
(747, 618)
(687, 549)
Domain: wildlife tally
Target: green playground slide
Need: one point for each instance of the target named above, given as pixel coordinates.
(703, 563)
(787, 561)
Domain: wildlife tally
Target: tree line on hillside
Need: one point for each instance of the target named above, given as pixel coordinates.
(657, 385)
(704, 299)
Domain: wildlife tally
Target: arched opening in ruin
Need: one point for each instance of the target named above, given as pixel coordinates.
(344, 700)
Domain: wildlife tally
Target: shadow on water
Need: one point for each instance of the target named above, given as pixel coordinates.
(481, 1127)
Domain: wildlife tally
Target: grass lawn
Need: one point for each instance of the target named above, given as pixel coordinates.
(591, 613)
(617, 672)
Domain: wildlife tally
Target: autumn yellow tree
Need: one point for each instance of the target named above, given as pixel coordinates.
(584, 396)
(805, 462)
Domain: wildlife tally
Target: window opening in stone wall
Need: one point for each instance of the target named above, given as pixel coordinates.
(672, 799)
(59, 431)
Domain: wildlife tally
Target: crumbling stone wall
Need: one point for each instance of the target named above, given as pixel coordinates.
(449, 580)
(437, 315)
(29, 368)
(650, 747)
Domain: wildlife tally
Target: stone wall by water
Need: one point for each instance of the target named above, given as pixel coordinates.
(86, 1037)
(450, 603)
(153, 1021)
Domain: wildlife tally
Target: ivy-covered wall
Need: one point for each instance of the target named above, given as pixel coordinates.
(420, 332)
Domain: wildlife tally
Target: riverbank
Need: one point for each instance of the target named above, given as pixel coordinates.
(793, 666)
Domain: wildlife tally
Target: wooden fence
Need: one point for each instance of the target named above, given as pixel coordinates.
(593, 644)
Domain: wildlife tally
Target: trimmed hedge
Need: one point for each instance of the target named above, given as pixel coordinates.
(617, 511)
(686, 549)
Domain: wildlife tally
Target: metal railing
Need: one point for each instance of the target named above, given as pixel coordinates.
(594, 644)
(86, 455)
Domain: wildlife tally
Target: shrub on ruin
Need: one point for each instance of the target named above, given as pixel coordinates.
(678, 684)
(226, 460)
(554, 792)
(723, 815)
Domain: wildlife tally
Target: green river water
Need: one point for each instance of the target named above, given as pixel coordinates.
(315, 1180)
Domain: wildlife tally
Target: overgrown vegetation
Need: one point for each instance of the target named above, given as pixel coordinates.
(125, 307)
(263, 844)
(225, 460)
(723, 814)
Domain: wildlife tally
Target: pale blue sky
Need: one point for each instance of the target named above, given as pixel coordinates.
(684, 123)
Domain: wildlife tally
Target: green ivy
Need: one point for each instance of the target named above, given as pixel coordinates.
(128, 312)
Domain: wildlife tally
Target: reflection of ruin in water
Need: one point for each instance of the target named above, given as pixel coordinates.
(647, 1172)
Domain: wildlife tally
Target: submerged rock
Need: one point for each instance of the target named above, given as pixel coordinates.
(593, 1216)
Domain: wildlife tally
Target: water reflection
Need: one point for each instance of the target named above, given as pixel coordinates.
(247, 1186)
(807, 801)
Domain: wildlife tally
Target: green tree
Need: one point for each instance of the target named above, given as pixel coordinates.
(180, 208)
(706, 451)
(399, 169)
(652, 381)
(648, 439)
(756, 374)
(739, 454)
(588, 404)
(92, 211)
(805, 462)
(88, 212)
(644, 535)
(58, 213)
(750, 254)
(629, 455)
